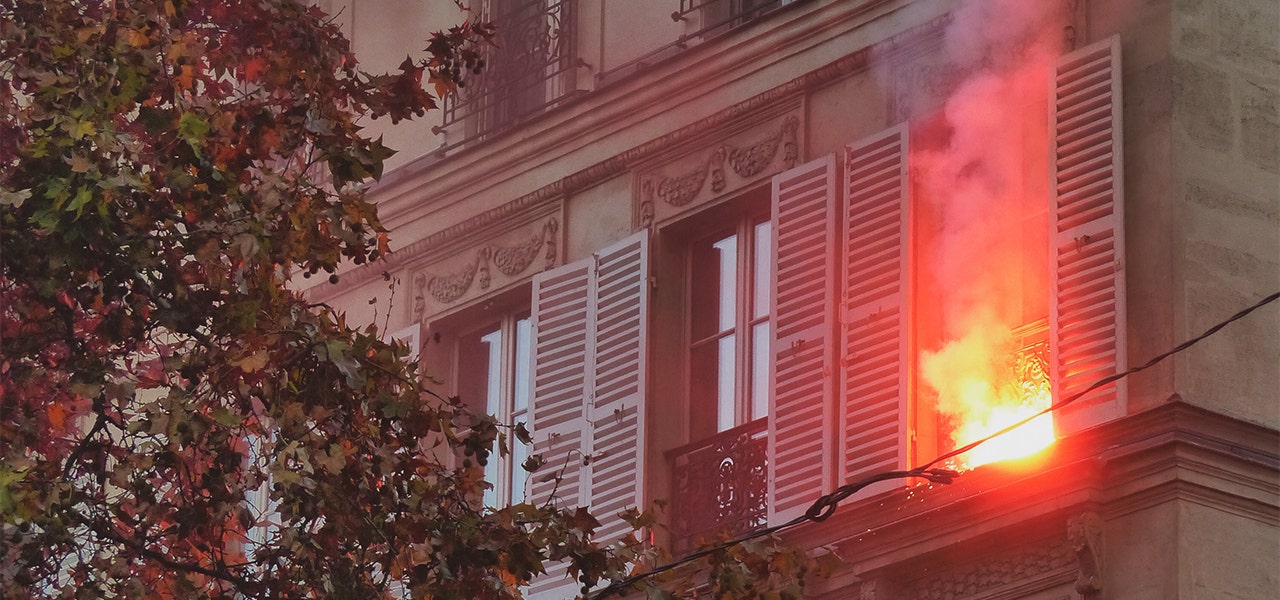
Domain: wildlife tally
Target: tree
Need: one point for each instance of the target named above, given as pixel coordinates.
(168, 167)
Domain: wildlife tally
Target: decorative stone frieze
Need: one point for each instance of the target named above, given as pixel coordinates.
(752, 160)
(975, 579)
(505, 257)
(751, 155)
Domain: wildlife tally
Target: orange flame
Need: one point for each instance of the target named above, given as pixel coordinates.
(985, 383)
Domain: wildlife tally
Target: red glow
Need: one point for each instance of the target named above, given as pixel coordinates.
(981, 175)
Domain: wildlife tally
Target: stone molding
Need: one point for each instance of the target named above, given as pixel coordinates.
(1175, 452)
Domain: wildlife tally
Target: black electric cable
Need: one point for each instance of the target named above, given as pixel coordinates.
(825, 505)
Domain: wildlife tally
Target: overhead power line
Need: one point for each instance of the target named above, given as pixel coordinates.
(825, 505)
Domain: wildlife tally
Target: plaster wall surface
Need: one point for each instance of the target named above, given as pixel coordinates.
(598, 217)
(1141, 554)
(1224, 555)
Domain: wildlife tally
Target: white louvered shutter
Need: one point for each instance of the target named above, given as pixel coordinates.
(617, 392)
(874, 323)
(562, 308)
(800, 384)
(1087, 318)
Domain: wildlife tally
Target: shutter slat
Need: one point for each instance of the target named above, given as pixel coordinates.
(805, 213)
(873, 405)
(1088, 307)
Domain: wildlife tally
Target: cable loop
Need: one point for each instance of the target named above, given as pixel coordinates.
(822, 508)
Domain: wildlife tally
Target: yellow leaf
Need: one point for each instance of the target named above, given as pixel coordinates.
(252, 363)
(137, 39)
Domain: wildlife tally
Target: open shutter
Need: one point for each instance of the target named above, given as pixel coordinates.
(800, 382)
(589, 330)
(1087, 318)
(562, 307)
(618, 375)
(874, 323)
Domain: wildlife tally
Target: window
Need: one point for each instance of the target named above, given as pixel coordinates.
(729, 281)
(492, 369)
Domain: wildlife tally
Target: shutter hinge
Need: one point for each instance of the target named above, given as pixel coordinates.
(653, 282)
(1081, 241)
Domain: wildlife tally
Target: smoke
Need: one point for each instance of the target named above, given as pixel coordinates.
(981, 171)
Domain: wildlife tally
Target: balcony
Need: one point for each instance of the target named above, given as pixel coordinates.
(719, 484)
(715, 14)
(528, 68)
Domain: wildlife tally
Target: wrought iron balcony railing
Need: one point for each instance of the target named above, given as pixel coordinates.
(720, 483)
(529, 67)
(705, 19)
(718, 13)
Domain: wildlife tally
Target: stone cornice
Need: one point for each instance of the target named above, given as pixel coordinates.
(1175, 451)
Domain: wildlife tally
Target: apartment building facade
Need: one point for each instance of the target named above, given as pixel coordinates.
(736, 253)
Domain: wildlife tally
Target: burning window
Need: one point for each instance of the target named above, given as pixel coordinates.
(983, 269)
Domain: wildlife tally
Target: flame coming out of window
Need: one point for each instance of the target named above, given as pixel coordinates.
(988, 380)
(981, 213)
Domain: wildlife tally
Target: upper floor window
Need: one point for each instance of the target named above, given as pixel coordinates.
(529, 67)
(492, 369)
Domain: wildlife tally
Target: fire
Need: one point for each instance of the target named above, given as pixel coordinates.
(1026, 440)
(986, 381)
(981, 224)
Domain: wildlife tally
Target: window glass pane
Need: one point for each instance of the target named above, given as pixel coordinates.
(493, 403)
(726, 413)
(491, 476)
(519, 452)
(523, 346)
(704, 392)
(759, 370)
(763, 269)
(478, 367)
(728, 291)
(713, 282)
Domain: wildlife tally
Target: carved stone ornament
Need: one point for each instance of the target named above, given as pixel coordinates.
(717, 170)
(551, 254)
(513, 261)
(646, 213)
(681, 189)
(1085, 533)
(989, 575)
(509, 261)
(754, 159)
(447, 288)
